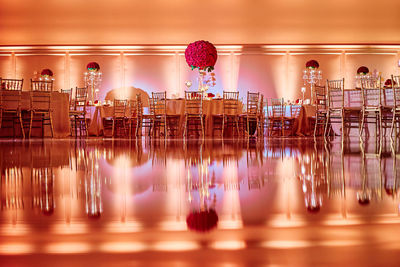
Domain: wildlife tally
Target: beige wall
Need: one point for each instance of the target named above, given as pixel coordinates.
(184, 21)
(276, 71)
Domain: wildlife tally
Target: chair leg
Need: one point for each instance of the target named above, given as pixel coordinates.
(223, 126)
(202, 127)
(30, 125)
(22, 126)
(51, 125)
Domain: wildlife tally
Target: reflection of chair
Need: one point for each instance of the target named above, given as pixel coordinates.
(41, 106)
(276, 119)
(42, 85)
(78, 115)
(12, 189)
(43, 189)
(193, 112)
(11, 108)
(229, 116)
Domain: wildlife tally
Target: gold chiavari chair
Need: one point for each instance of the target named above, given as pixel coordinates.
(289, 122)
(193, 112)
(335, 112)
(320, 109)
(135, 115)
(70, 98)
(260, 125)
(396, 106)
(159, 111)
(78, 115)
(229, 116)
(371, 108)
(277, 114)
(117, 122)
(251, 116)
(40, 110)
(10, 98)
(42, 85)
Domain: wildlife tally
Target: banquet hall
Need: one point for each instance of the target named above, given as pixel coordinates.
(163, 132)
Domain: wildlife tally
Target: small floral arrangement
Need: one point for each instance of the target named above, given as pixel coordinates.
(93, 66)
(46, 73)
(201, 55)
(362, 70)
(388, 83)
(312, 64)
(210, 95)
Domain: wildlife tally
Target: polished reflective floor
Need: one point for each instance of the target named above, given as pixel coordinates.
(231, 203)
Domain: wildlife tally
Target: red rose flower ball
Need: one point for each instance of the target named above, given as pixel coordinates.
(202, 55)
(312, 64)
(46, 72)
(362, 70)
(93, 66)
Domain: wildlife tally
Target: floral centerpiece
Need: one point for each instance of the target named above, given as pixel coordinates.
(93, 66)
(46, 73)
(388, 83)
(312, 64)
(362, 70)
(202, 55)
(93, 80)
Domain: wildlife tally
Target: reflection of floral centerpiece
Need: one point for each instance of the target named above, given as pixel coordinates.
(202, 221)
(202, 55)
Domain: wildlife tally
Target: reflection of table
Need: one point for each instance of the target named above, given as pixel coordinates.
(60, 107)
(175, 107)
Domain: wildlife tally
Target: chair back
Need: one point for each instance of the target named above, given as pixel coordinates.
(320, 97)
(335, 93)
(133, 108)
(253, 103)
(396, 90)
(371, 94)
(193, 103)
(230, 102)
(119, 108)
(295, 111)
(70, 99)
(12, 84)
(46, 86)
(159, 104)
(81, 95)
(277, 107)
(40, 101)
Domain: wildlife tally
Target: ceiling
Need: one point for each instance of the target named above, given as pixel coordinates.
(183, 21)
